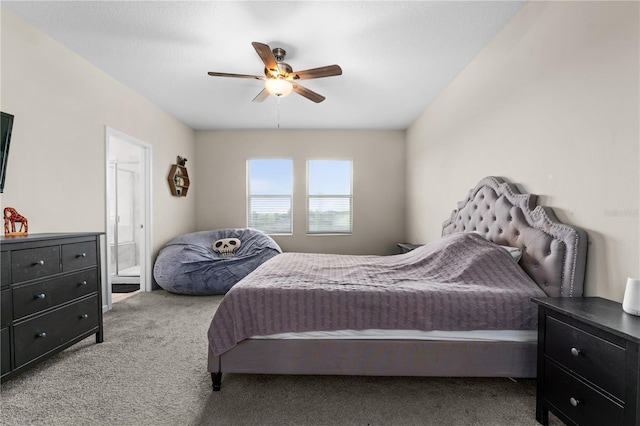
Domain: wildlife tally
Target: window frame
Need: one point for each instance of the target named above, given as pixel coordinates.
(309, 197)
(249, 196)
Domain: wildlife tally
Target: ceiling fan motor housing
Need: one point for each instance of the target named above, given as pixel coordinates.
(279, 53)
(284, 69)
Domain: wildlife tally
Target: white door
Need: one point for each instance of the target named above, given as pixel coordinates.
(128, 238)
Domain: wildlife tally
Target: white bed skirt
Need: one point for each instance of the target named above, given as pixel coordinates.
(375, 334)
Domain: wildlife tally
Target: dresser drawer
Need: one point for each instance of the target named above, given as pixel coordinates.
(78, 256)
(5, 348)
(5, 266)
(47, 332)
(38, 296)
(593, 358)
(591, 407)
(29, 264)
(6, 307)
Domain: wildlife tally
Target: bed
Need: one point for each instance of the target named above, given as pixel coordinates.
(459, 306)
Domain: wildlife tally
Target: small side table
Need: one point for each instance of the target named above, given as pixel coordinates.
(406, 247)
(588, 362)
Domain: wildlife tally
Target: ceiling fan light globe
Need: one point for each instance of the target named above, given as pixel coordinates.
(278, 87)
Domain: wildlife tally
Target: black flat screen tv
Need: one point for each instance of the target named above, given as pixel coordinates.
(7, 125)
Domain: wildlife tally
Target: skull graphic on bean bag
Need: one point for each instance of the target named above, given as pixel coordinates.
(226, 247)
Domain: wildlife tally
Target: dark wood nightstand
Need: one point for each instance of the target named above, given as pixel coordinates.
(588, 362)
(406, 247)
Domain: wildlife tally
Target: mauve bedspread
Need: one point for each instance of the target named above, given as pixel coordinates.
(460, 282)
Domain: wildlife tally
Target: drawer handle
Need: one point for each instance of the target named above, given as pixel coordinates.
(42, 335)
(84, 316)
(81, 255)
(38, 263)
(575, 351)
(83, 282)
(40, 296)
(574, 402)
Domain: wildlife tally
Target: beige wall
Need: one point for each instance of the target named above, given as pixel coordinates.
(378, 183)
(62, 103)
(551, 104)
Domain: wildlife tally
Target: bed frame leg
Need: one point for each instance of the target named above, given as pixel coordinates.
(216, 379)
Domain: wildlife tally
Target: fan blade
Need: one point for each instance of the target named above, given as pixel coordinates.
(264, 51)
(328, 71)
(309, 94)
(225, 74)
(261, 96)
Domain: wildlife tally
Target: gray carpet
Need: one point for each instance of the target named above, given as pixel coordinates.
(151, 370)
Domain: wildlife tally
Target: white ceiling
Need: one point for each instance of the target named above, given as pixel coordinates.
(396, 56)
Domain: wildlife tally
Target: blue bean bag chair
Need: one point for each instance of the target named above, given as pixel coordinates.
(211, 262)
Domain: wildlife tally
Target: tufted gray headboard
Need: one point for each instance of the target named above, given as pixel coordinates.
(553, 254)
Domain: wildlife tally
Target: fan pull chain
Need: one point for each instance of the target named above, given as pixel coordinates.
(278, 111)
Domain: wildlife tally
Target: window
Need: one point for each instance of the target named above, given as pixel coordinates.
(270, 190)
(329, 201)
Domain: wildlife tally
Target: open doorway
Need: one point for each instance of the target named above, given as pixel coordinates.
(128, 205)
(124, 215)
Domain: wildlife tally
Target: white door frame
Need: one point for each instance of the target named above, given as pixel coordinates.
(145, 249)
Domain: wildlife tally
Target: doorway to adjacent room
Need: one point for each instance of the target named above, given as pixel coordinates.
(128, 206)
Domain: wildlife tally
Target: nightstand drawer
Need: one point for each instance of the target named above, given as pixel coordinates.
(593, 358)
(579, 401)
(36, 297)
(45, 333)
(34, 263)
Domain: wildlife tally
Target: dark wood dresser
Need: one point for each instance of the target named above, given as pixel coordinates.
(51, 296)
(588, 362)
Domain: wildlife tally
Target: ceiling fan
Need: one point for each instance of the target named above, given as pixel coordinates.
(279, 77)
